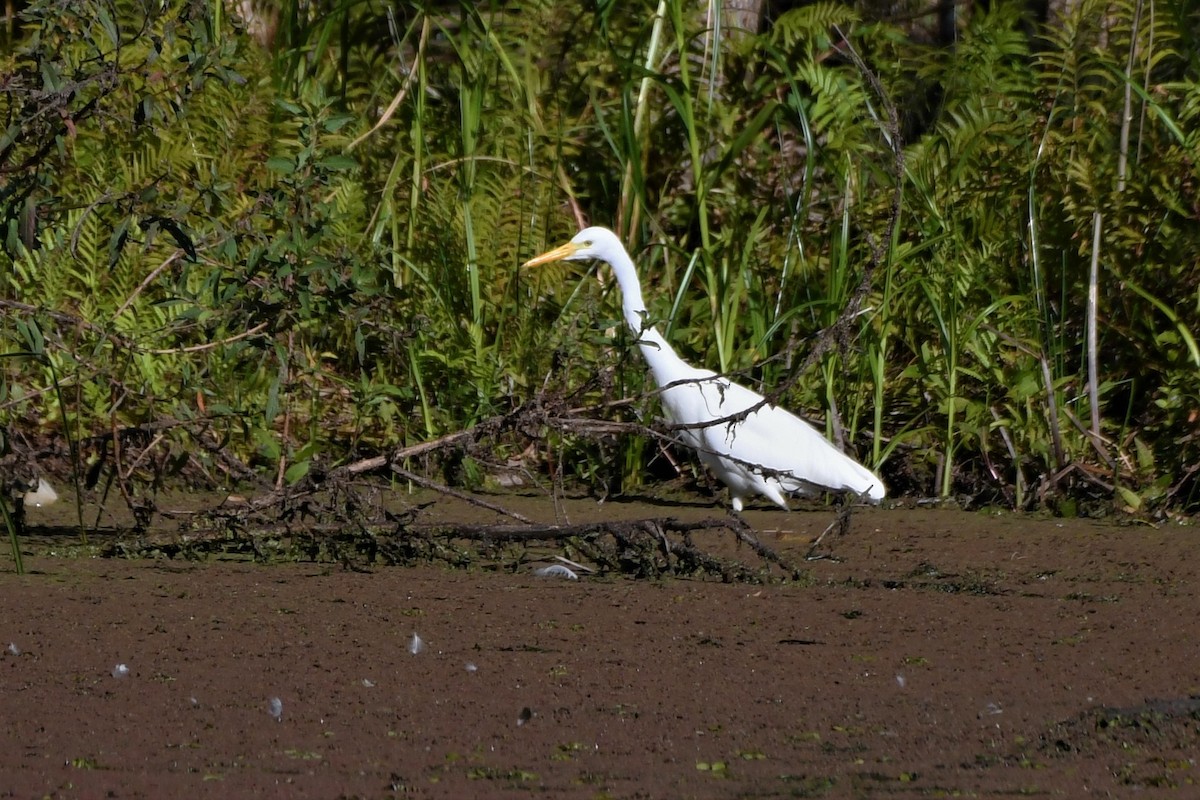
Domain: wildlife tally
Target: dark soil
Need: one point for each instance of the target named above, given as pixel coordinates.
(945, 654)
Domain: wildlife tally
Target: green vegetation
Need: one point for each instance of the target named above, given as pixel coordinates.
(254, 248)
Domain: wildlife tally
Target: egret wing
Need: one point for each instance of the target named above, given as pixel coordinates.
(769, 442)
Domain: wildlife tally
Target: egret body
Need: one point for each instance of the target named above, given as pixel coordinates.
(42, 495)
(771, 452)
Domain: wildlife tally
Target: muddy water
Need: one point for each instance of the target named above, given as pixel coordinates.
(944, 653)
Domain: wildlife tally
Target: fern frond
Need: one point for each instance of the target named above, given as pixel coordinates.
(811, 26)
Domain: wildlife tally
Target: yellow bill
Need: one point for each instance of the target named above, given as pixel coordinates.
(557, 254)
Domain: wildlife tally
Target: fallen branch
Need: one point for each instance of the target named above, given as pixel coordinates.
(646, 547)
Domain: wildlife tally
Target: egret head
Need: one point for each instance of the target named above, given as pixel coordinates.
(594, 242)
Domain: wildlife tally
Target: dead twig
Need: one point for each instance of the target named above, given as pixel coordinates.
(463, 496)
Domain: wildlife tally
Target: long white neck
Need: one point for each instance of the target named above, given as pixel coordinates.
(658, 354)
(632, 304)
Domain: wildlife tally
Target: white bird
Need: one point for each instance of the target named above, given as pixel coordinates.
(771, 452)
(42, 495)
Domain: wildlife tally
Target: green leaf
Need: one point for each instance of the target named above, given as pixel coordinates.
(1131, 498)
(337, 163)
(335, 124)
(284, 164)
(273, 406)
(297, 471)
(116, 242)
(31, 334)
(1167, 312)
(267, 443)
(110, 28)
(10, 135)
(51, 78)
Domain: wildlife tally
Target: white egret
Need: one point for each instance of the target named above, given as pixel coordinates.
(770, 452)
(42, 495)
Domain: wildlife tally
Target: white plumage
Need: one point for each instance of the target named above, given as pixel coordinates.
(771, 452)
(42, 495)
